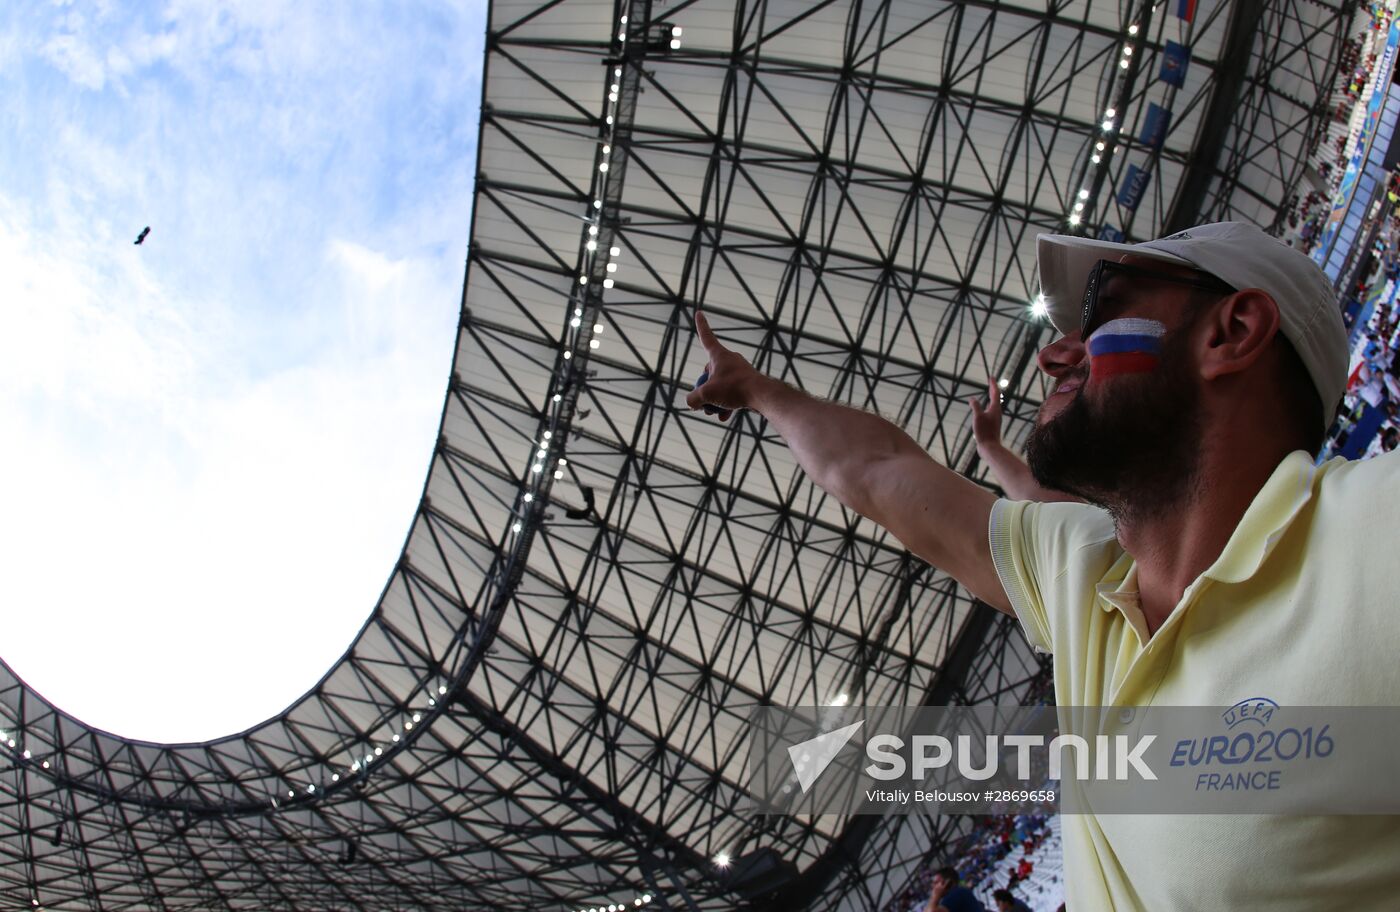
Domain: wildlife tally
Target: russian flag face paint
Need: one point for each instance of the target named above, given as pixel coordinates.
(1129, 345)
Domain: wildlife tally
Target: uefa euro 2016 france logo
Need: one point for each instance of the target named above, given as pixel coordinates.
(1252, 756)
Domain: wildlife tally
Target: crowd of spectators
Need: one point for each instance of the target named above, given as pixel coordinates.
(975, 858)
(1369, 420)
(1308, 213)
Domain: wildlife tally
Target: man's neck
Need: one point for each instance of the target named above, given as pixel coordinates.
(1173, 549)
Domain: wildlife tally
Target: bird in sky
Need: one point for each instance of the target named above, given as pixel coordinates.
(142, 236)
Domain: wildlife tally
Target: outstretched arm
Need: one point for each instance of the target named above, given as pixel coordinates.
(1010, 470)
(867, 463)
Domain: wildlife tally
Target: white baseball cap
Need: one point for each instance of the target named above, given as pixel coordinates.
(1237, 253)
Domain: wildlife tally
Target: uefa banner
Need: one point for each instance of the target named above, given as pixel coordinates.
(1255, 757)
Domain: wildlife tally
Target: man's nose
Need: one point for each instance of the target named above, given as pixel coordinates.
(1062, 355)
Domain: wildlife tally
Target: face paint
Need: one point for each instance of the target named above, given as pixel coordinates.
(1129, 345)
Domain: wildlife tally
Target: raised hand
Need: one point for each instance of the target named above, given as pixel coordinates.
(867, 463)
(986, 420)
(727, 380)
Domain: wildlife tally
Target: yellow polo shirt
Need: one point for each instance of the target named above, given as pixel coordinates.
(1301, 607)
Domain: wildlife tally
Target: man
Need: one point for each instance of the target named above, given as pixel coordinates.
(1024, 869)
(1007, 902)
(948, 894)
(1194, 377)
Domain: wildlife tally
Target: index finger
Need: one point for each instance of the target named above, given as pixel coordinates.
(706, 335)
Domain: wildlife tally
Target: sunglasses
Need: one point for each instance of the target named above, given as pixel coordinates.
(1104, 271)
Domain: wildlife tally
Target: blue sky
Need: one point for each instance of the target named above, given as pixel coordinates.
(216, 440)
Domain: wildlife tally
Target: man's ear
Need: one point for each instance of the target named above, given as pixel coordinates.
(1239, 330)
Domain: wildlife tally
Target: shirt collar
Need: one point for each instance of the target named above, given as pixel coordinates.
(1118, 591)
(1269, 515)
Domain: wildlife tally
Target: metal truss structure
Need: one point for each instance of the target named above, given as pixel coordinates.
(545, 709)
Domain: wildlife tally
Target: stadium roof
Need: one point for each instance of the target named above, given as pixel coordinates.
(545, 711)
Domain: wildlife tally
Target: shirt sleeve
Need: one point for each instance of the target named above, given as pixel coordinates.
(1046, 555)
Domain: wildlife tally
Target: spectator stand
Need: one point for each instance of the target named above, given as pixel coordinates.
(1021, 852)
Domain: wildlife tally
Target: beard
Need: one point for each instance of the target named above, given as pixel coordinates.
(1136, 451)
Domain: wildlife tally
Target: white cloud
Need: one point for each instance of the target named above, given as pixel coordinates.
(76, 60)
(177, 524)
(224, 432)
